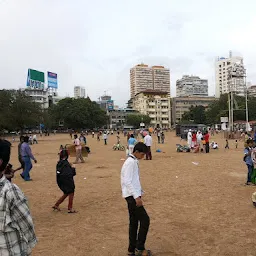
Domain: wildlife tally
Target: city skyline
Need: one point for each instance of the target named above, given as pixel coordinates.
(82, 49)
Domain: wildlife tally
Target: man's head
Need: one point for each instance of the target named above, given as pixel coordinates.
(21, 138)
(26, 139)
(5, 151)
(132, 136)
(140, 150)
(250, 142)
(64, 154)
(75, 136)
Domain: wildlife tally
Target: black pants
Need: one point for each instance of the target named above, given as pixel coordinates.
(207, 147)
(149, 154)
(137, 214)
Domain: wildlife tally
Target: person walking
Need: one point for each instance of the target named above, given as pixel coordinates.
(35, 139)
(17, 234)
(78, 148)
(227, 145)
(26, 154)
(105, 138)
(65, 179)
(22, 164)
(207, 142)
(132, 192)
(248, 160)
(148, 143)
(162, 137)
(158, 136)
(131, 143)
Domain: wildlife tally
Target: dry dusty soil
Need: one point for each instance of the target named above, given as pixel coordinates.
(195, 209)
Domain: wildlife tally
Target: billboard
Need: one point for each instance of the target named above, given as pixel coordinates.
(52, 80)
(110, 105)
(35, 79)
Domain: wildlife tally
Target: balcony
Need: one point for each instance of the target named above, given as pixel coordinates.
(151, 104)
(151, 110)
(164, 104)
(152, 115)
(165, 116)
(165, 110)
(165, 122)
(153, 121)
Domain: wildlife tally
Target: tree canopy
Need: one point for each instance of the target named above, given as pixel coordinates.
(79, 113)
(18, 111)
(218, 108)
(135, 120)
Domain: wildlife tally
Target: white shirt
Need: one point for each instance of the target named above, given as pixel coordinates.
(189, 136)
(105, 136)
(130, 178)
(34, 137)
(148, 140)
(77, 143)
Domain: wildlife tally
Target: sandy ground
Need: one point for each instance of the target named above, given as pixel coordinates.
(199, 209)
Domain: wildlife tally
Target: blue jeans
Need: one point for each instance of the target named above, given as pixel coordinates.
(250, 170)
(28, 167)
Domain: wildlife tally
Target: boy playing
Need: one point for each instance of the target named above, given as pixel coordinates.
(227, 146)
(132, 192)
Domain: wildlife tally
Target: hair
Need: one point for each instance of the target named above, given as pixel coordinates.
(140, 147)
(75, 136)
(5, 151)
(249, 141)
(132, 136)
(64, 154)
(26, 139)
(21, 138)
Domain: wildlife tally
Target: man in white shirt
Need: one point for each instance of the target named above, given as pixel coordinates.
(148, 142)
(78, 147)
(132, 192)
(189, 138)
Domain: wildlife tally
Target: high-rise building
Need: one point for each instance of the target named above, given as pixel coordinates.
(79, 92)
(143, 77)
(155, 104)
(161, 78)
(224, 83)
(191, 86)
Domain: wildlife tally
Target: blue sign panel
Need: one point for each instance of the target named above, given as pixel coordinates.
(52, 80)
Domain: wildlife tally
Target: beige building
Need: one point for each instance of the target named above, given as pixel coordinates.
(143, 77)
(155, 104)
(222, 81)
(79, 92)
(251, 90)
(180, 105)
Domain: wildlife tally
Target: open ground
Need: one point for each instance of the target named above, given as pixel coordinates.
(199, 208)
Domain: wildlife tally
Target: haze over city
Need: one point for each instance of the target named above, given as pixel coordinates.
(94, 44)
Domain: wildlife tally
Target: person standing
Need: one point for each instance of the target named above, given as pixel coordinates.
(26, 154)
(78, 148)
(227, 145)
(132, 192)
(248, 160)
(158, 136)
(105, 138)
(98, 136)
(207, 142)
(93, 134)
(65, 179)
(35, 139)
(189, 138)
(148, 143)
(131, 143)
(162, 137)
(22, 164)
(17, 234)
(199, 138)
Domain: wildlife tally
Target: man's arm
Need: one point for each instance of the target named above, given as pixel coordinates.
(20, 214)
(128, 171)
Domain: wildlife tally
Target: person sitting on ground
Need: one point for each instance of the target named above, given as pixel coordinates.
(65, 179)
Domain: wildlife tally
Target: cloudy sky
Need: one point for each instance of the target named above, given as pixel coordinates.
(94, 43)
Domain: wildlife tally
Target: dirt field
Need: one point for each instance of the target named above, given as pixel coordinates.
(199, 209)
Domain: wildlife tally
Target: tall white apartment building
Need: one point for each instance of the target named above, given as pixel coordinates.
(79, 92)
(224, 83)
(191, 86)
(143, 77)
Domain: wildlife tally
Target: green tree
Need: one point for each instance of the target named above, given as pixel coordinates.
(18, 111)
(196, 114)
(135, 120)
(79, 113)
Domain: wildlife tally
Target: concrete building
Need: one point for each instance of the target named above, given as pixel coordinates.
(223, 82)
(180, 105)
(117, 117)
(79, 92)
(251, 90)
(143, 77)
(191, 86)
(40, 96)
(106, 103)
(155, 104)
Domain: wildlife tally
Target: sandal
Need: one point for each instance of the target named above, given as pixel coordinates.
(72, 211)
(56, 208)
(143, 252)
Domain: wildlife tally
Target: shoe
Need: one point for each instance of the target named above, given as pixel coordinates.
(29, 180)
(142, 252)
(22, 176)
